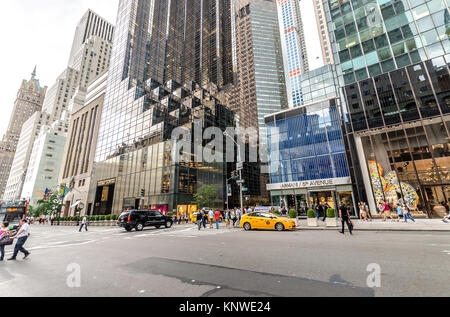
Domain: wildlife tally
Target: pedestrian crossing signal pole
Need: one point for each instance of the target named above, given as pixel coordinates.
(240, 165)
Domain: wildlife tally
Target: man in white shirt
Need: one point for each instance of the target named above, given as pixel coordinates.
(84, 224)
(211, 219)
(22, 237)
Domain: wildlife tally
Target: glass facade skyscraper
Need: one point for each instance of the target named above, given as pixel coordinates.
(393, 61)
(170, 60)
(294, 48)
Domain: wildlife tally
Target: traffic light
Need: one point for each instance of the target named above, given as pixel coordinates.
(142, 192)
(235, 175)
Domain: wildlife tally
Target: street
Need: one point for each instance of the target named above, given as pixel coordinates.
(183, 261)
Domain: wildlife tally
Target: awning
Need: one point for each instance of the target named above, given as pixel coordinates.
(76, 204)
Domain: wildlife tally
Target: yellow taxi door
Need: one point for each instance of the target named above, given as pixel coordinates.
(267, 221)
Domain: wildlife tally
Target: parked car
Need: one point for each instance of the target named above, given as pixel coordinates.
(268, 221)
(139, 219)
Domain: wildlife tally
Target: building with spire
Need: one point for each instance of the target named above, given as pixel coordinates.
(30, 98)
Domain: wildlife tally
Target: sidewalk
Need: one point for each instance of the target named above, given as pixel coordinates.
(428, 225)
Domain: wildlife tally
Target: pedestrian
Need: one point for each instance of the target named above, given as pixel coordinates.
(387, 211)
(325, 210)
(345, 218)
(362, 212)
(211, 219)
(4, 235)
(84, 224)
(238, 215)
(400, 212)
(407, 213)
(204, 218)
(368, 213)
(200, 219)
(228, 219)
(217, 216)
(233, 218)
(22, 237)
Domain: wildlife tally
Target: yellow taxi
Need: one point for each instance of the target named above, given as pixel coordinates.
(267, 221)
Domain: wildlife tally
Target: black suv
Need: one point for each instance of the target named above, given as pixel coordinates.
(139, 219)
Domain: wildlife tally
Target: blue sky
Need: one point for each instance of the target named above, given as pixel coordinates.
(39, 33)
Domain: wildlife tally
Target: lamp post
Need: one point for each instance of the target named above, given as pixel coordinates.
(239, 168)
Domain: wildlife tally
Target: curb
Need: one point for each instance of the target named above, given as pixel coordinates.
(372, 229)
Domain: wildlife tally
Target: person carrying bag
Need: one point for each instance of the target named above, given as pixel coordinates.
(5, 239)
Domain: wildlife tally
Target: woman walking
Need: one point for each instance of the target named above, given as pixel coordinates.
(4, 235)
(407, 213)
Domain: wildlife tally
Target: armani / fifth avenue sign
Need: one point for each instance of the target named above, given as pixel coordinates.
(311, 184)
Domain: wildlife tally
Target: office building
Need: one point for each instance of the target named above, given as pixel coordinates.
(78, 162)
(294, 48)
(30, 131)
(29, 100)
(44, 163)
(145, 174)
(260, 87)
(90, 25)
(308, 161)
(393, 62)
(160, 48)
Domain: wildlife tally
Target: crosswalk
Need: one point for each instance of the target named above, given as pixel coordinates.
(60, 237)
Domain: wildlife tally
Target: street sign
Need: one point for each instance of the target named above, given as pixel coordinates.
(245, 189)
(240, 166)
(240, 182)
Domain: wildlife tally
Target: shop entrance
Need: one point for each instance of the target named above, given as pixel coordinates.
(322, 198)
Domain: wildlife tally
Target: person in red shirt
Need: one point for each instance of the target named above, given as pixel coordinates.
(217, 216)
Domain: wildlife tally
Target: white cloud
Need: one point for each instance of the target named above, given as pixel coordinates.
(39, 33)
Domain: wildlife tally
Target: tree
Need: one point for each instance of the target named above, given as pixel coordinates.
(49, 207)
(206, 196)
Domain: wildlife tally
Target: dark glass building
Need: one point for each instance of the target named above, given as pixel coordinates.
(160, 48)
(393, 61)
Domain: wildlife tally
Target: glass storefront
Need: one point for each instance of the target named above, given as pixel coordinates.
(302, 200)
(411, 165)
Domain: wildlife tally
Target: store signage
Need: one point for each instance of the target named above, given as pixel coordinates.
(106, 182)
(311, 184)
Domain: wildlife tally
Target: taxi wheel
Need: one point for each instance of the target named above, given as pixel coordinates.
(169, 224)
(279, 227)
(247, 227)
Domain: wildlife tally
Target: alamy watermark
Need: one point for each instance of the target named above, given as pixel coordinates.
(74, 278)
(374, 278)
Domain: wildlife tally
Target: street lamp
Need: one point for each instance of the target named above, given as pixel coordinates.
(239, 168)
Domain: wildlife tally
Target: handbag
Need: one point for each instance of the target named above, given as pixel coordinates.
(352, 225)
(7, 241)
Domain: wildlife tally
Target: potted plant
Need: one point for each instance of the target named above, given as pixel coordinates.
(294, 215)
(331, 218)
(312, 220)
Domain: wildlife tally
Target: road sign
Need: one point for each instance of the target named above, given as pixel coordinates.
(245, 189)
(240, 182)
(240, 166)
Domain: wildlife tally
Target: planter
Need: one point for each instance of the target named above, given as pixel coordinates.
(332, 222)
(312, 222)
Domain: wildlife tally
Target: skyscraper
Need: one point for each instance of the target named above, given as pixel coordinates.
(91, 24)
(260, 87)
(170, 59)
(294, 48)
(88, 59)
(392, 60)
(29, 100)
(156, 42)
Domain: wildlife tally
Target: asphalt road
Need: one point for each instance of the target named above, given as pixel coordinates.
(228, 263)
